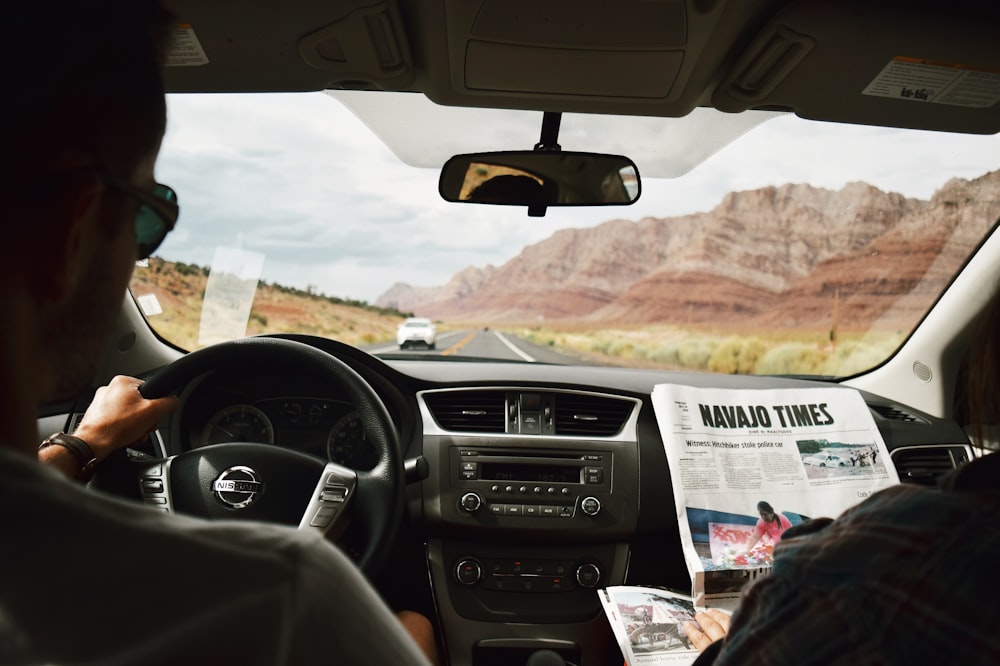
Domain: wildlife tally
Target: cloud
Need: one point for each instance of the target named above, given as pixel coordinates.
(299, 178)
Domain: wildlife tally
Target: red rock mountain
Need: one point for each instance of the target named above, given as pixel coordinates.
(777, 256)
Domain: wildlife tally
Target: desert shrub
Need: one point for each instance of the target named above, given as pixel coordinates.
(792, 358)
(737, 356)
(666, 354)
(854, 356)
(694, 353)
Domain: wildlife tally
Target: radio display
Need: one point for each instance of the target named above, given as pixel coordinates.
(531, 473)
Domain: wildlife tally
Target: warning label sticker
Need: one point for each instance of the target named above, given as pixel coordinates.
(184, 49)
(935, 82)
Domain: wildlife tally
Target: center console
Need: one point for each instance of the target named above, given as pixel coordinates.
(527, 526)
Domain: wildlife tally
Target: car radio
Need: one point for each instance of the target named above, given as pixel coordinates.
(516, 487)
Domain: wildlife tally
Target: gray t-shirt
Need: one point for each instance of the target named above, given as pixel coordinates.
(87, 578)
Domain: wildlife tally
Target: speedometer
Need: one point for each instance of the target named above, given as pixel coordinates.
(348, 445)
(238, 423)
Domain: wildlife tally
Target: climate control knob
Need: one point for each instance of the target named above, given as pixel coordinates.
(588, 575)
(468, 571)
(470, 503)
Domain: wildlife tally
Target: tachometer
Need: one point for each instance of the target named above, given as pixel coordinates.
(238, 423)
(348, 445)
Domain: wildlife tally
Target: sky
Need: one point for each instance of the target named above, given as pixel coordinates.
(300, 179)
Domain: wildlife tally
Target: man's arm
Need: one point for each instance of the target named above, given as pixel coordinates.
(118, 416)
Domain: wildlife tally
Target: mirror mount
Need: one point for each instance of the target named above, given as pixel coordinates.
(547, 142)
(550, 131)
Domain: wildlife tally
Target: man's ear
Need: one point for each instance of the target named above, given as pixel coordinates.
(74, 226)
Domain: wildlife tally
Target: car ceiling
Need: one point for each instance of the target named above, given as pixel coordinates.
(628, 57)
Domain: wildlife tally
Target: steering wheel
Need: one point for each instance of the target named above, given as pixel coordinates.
(263, 482)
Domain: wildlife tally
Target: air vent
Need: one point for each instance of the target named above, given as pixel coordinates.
(926, 464)
(577, 414)
(892, 413)
(468, 411)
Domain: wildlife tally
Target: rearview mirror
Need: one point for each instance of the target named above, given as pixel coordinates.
(540, 178)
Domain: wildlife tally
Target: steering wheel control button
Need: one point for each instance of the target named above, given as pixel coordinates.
(152, 485)
(323, 516)
(590, 506)
(468, 572)
(237, 487)
(471, 503)
(333, 494)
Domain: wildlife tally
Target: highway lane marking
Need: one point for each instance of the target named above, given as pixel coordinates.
(458, 345)
(514, 349)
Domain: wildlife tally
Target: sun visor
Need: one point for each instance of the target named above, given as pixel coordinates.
(932, 68)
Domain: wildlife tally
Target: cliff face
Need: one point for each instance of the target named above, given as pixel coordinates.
(777, 256)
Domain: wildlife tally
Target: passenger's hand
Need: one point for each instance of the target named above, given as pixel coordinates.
(120, 416)
(712, 625)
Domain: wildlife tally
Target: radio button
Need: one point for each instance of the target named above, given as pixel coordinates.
(531, 510)
(513, 510)
(564, 491)
(494, 488)
(565, 512)
(537, 490)
(550, 490)
(508, 489)
(497, 509)
(593, 475)
(548, 510)
(470, 470)
(523, 490)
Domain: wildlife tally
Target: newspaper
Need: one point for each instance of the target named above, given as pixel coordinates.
(648, 624)
(745, 465)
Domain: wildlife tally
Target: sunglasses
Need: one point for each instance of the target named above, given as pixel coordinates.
(157, 213)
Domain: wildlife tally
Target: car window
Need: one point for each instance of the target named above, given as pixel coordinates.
(775, 246)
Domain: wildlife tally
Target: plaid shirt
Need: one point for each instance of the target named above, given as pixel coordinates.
(910, 576)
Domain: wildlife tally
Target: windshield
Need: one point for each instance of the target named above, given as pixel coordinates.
(762, 244)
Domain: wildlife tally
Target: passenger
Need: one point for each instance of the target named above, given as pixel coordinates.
(905, 577)
(88, 578)
(770, 524)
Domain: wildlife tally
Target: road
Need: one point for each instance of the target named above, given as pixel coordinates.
(481, 344)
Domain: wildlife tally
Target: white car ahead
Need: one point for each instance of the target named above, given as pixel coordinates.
(416, 330)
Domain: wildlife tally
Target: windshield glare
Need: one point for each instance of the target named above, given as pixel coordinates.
(798, 247)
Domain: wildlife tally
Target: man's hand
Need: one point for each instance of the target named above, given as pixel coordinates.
(712, 625)
(120, 416)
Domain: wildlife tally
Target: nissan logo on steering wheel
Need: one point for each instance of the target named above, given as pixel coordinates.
(237, 487)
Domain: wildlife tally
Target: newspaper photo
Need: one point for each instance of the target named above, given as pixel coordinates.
(648, 624)
(746, 465)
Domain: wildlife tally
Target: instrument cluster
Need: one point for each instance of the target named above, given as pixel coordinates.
(327, 427)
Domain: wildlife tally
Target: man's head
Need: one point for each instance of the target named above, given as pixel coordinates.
(81, 129)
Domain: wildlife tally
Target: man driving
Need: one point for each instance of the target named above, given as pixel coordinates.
(89, 578)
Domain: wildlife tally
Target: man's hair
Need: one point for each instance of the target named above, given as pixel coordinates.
(81, 76)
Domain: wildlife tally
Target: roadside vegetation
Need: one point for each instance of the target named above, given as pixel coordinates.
(745, 353)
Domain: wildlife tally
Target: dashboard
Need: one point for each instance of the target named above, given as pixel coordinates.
(538, 483)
